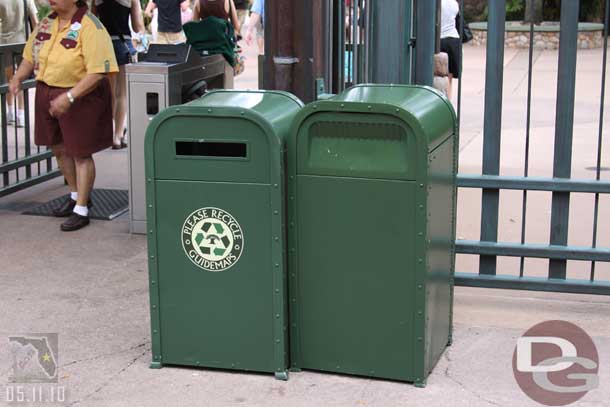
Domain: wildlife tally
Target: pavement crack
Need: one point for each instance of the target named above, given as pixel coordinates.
(463, 386)
(107, 382)
(74, 362)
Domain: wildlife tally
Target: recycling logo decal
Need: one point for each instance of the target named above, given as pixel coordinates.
(212, 239)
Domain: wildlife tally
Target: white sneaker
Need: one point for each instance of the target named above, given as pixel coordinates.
(10, 116)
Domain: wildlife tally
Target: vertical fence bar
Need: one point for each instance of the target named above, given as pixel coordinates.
(425, 42)
(459, 92)
(355, 53)
(564, 128)
(389, 35)
(528, 121)
(5, 176)
(602, 104)
(492, 130)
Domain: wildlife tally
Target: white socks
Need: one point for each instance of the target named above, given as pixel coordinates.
(81, 210)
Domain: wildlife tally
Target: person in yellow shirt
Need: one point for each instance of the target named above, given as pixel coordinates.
(71, 55)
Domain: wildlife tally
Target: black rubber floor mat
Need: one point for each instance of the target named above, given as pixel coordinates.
(108, 204)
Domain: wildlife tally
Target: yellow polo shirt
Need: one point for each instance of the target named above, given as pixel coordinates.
(61, 66)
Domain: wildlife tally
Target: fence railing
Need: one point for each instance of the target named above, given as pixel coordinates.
(23, 164)
(561, 185)
(372, 49)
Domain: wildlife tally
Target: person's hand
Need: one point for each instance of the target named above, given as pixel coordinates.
(14, 86)
(249, 36)
(60, 105)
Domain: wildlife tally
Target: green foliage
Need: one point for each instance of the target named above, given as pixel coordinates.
(515, 10)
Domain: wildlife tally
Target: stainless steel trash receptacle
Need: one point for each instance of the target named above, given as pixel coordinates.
(167, 75)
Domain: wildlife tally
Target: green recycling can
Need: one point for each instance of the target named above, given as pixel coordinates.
(372, 198)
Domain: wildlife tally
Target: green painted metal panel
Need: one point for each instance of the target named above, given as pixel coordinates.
(372, 225)
(355, 265)
(216, 216)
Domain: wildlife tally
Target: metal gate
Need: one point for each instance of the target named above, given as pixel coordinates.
(364, 45)
(23, 164)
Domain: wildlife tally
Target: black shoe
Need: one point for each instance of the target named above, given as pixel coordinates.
(66, 208)
(75, 222)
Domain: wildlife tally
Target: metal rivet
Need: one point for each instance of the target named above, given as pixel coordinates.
(421, 206)
(420, 286)
(277, 290)
(292, 198)
(155, 331)
(154, 306)
(276, 212)
(419, 338)
(420, 312)
(277, 315)
(342, 105)
(151, 231)
(315, 106)
(277, 341)
(150, 179)
(209, 110)
(420, 260)
(153, 282)
(150, 206)
(397, 110)
(420, 234)
(294, 275)
(152, 257)
(277, 264)
(277, 239)
(275, 185)
(370, 107)
(421, 185)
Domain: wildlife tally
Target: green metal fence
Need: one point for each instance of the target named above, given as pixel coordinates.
(415, 51)
(561, 184)
(22, 163)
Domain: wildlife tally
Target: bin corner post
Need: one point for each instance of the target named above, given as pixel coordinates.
(155, 365)
(291, 147)
(283, 375)
(279, 266)
(153, 272)
(420, 383)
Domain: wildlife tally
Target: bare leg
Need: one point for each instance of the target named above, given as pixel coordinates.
(450, 87)
(85, 177)
(66, 165)
(120, 103)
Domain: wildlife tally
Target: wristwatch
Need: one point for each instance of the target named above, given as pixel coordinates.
(70, 97)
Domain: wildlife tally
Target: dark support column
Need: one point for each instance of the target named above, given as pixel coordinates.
(492, 130)
(295, 45)
(389, 37)
(564, 129)
(425, 42)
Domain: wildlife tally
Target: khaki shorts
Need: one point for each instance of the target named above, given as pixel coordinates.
(170, 38)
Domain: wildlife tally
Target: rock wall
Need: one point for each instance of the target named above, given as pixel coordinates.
(542, 40)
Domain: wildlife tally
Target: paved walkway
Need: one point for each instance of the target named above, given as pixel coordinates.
(91, 287)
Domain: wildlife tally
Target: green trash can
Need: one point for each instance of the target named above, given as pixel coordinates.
(372, 199)
(216, 226)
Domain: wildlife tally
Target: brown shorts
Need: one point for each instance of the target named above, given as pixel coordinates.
(84, 129)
